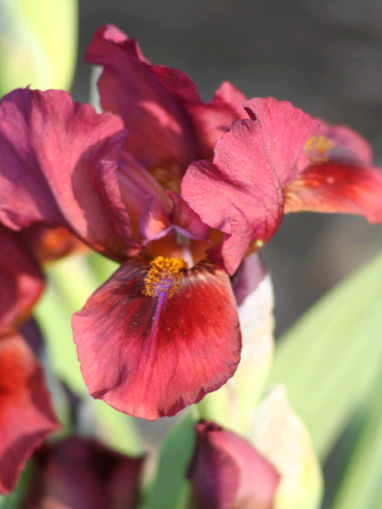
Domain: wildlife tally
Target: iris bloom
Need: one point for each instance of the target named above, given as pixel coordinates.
(163, 330)
(80, 473)
(227, 472)
(26, 414)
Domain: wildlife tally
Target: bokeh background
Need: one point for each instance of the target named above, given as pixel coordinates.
(325, 57)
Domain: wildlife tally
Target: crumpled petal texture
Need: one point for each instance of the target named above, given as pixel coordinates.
(152, 356)
(248, 201)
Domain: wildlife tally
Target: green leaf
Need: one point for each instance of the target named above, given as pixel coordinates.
(361, 485)
(38, 43)
(329, 360)
(169, 487)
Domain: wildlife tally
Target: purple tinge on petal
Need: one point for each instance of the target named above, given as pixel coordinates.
(80, 473)
(285, 131)
(248, 276)
(349, 147)
(151, 342)
(148, 98)
(238, 193)
(49, 147)
(31, 333)
(227, 472)
(21, 281)
(26, 415)
(185, 220)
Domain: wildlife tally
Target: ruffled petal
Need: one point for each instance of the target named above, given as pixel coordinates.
(337, 188)
(150, 356)
(26, 415)
(228, 472)
(148, 98)
(21, 281)
(238, 193)
(82, 473)
(50, 149)
(285, 131)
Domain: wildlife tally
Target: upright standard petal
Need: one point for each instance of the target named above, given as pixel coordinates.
(228, 472)
(248, 201)
(21, 281)
(285, 131)
(26, 415)
(212, 119)
(50, 147)
(156, 338)
(148, 98)
(80, 473)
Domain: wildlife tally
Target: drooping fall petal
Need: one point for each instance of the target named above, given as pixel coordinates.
(285, 131)
(147, 97)
(21, 281)
(331, 187)
(151, 341)
(247, 202)
(228, 472)
(26, 415)
(50, 150)
(80, 473)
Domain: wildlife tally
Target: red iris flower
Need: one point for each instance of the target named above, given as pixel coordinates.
(26, 415)
(163, 330)
(279, 160)
(83, 473)
(227, 471)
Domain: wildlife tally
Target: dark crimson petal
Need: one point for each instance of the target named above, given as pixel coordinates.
(152, 356)
(80, 473)
(350, 147)
(239, 193)
(285, 130)
(211, 120)
(50, 147)
(148, 98)
(26, 415)
(21, 281)
(337, 188)
(228, 472)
